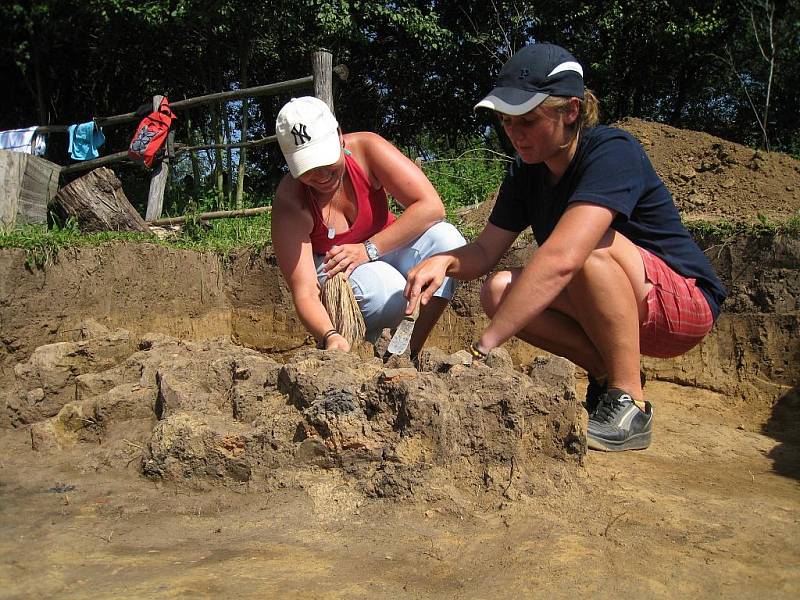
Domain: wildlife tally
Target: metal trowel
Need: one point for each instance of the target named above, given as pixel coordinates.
(402, 335)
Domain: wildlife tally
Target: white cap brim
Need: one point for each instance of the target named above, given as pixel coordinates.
(493, 102)
(323, 152)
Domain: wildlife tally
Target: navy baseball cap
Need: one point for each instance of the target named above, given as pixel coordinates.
(531, 75)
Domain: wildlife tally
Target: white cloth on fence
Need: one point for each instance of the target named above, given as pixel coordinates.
(23, 140)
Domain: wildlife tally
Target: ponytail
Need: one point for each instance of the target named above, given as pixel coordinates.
(588, 115)
(590, 110)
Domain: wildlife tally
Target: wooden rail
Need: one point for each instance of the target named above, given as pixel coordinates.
(253, 92)
(321, 80)
(219, 214)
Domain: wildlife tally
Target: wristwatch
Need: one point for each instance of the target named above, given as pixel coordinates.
(372, 251)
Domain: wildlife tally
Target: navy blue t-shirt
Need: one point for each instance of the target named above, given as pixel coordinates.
(611, 169)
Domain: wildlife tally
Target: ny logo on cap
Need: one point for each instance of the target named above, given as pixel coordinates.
(300, 135)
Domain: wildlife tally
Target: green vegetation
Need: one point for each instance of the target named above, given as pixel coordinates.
(764, 227)
(416, 69)
(221, 236)
(466, 178)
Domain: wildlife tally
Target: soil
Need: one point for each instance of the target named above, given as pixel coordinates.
(326, 510)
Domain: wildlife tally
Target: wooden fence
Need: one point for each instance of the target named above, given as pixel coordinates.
(321, 80)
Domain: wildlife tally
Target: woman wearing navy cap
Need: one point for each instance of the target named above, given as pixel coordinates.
(616, 274)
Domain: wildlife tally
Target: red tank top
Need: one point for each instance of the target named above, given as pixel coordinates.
(373, 212)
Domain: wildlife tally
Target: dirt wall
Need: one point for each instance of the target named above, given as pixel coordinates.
(753, 352)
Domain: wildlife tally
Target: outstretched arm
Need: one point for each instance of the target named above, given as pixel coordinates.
(549, 270)
(387, 167)
(290, 239)
(465, 263)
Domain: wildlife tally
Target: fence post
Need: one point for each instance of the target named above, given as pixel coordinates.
(322, 70)
(158, 179)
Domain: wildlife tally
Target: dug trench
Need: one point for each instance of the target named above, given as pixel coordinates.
(168, 430)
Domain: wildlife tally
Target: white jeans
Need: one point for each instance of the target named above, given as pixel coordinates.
(378, 286)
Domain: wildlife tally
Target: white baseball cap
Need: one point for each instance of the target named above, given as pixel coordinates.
(308, 134)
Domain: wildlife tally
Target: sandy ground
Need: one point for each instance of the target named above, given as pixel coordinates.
(702, 513)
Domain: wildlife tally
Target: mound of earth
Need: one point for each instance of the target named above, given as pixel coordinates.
(213, 412)
(710, 178)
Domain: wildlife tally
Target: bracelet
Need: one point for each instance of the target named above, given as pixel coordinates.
(328, 334)
(476, 353)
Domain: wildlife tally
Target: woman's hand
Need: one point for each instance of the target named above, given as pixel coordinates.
(344, 258)
(337, 342)
(424, 279)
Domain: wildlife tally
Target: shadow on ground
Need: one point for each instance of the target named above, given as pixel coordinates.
(784, 426)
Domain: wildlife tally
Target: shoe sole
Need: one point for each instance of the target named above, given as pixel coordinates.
(639, 441)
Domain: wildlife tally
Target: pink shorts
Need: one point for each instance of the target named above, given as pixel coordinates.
(678, 315)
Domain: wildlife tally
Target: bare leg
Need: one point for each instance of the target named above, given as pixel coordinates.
(428, 317)
(608, 296)
(554, 330)
(594, 322)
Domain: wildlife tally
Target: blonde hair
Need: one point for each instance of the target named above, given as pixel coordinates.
(589, 114)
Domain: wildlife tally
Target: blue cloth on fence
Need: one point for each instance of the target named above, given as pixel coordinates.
(84, 140)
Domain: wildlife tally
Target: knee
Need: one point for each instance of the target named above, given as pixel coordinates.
(378, 288)
(443, 237)
(598, 262)
(493, 290)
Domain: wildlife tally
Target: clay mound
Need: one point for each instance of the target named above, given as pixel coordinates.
(712, 178)
(709, 178)
(214, 413)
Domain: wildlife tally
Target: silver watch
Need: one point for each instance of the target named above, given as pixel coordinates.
(372, 251)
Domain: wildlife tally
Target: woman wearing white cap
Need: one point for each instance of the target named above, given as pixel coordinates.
(331, 215)
(616, 274)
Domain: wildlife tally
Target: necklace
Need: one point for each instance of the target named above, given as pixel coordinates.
(332, 230)
(327, 221)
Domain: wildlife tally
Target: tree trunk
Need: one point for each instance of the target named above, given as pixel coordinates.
(41, 100)
(680, 98)
(27, 184)
(97, 201)
(244, 60)
(216, 126)
(228, 179)
(193, 139)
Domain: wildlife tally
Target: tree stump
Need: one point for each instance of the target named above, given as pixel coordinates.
(97, 201)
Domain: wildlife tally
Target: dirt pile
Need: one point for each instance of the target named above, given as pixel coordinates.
(711, 178)
(213, 412)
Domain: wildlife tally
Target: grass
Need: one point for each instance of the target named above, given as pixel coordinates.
(222, 237)
(464, 179)
(763, 228)
(229, 236)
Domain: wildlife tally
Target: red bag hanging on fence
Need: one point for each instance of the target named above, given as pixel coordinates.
(151, 134)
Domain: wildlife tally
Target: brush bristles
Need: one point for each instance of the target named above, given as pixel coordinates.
(338, 299)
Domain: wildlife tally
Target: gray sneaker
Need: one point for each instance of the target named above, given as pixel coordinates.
(596, 389)
(618, 424)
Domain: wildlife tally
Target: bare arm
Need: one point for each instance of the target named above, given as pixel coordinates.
(405, 181)
(549, 270)
(387, 167)
(465, 263)
(291, 226)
